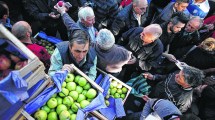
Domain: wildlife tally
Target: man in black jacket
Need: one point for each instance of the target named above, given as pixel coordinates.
(133, 15)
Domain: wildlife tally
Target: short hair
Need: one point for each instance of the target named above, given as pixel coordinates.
(182, 1)
(208, 44)
(19, 29)
(198, 19)
(179, 17)
(137, 2)
(3, 9)
(154, 29)
(78, 36)
(193, 76)
(105, 39)
(85, 12)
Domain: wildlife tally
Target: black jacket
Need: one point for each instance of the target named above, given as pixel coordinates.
(126, 20)
(105, 11)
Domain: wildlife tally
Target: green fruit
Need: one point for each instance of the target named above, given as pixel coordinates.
(70, 112)
(71, 86)
(68, 101)
(91, 93)
(63, 84)
(122, 96)
(84, 92)
(79, 89)
(64, 92)
(52, 110)
(90, 100)
(52, 103)
(87, 86)
(114, 83)
(59, 100)
(107, 102)
(111, 86)
(81, 97)
(77, 78)
(60, 108)
(107, 96)
(74, 95)
(82, 81)
(41, 115)
(52, 116)
(55, 95)
(64, 115)
(124, 90)
(113, 91)
(73, 117)
(70, 77)
(119, 91)
(75, 107)
(116, 95)
(119, 85)
(84, 103)
(46, 108)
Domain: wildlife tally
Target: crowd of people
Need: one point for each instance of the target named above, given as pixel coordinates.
(171, 43)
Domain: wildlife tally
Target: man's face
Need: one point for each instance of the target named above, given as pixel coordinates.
(192, 26)
(89, 21)
(141, 8)
(180, 7)
(176, 28)
(147, 37)
(179, 78)
(79, 51)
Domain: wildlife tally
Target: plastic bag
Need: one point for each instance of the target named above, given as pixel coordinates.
(49, 38)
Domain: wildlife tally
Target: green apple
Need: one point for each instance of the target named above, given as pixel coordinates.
(116, 95)
(64, 92)
(90, 100)
(84, 92)
(64, 115)
(79, 89)
(73, 117)
(60, 108)
(77, 78)
(113, 91)
(70, 77)
(52, 116)
(87, 86)
(119, 85)
(59, 100)
(71, 86)
(75, 107)
(74, 95)
(82, 81)
(68, 101)
(124, 90)
(119, 91)
(40, 115)
(63, 84)
(52, 103)
(114, 83)
(55, 95)
(52, 110)
(81, 97)
(107, 102)
(122, 96)
(70, 111)
(91, 93)
(84, 103)
(107, 96)
(46, 108)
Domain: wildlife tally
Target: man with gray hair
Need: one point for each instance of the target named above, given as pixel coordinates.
(111, 57)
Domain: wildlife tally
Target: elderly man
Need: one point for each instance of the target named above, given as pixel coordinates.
(189, 35)
(170, 9)
(133, 15)
(22, 30)
(111, 57)
(76, 51)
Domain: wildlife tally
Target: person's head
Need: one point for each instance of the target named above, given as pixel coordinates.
(181, 5)
(177, 22)
(86, 16)
(4, 10)
(105, 39)
(194, 24)
(151, 33)
(208, 44)
(140, 6)
(79, 44)
(189, 77)
(22, 30)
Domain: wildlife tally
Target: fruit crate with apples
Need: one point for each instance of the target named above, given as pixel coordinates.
(70, 98)
(47, 41)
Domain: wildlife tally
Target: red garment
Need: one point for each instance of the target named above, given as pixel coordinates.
(210, 20)
(41, 53)
(125, 2)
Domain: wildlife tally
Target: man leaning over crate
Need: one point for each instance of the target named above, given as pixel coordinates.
(76, 51)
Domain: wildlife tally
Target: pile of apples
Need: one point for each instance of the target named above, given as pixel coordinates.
(10, 62)
(48, 45)
(116, 90)
(76, 93)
